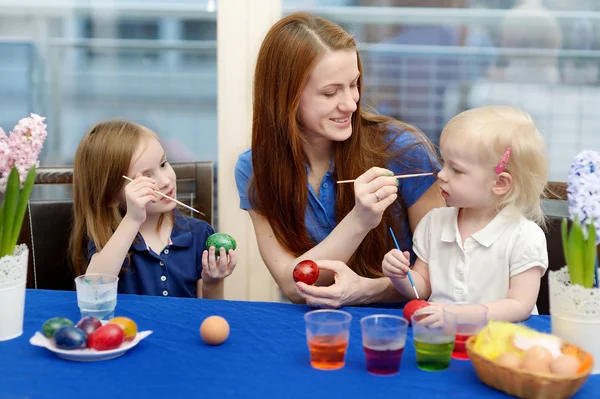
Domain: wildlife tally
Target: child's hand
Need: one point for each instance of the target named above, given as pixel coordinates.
(138, 194)
(396, 264)
(433, 315)
(216, 268)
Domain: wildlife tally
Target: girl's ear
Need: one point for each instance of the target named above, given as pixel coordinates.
(503, 184)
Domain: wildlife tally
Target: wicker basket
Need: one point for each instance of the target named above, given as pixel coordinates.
(524, 384)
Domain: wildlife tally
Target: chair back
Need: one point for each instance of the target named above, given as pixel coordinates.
(556, 259)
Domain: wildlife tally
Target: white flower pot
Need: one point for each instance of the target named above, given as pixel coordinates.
(13, 279)
(575, 313)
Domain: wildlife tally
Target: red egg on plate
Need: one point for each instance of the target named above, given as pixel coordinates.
(107, 337)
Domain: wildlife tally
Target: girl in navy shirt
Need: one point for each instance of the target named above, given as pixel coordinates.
(131, 231)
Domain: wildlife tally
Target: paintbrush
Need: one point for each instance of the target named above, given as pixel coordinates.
(170, 198)
(397, 177)
(412, 283)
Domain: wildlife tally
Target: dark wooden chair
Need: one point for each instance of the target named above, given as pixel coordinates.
(47, 225)
(556, 261)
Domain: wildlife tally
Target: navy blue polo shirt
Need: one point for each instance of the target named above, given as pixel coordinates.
(320, 210)
(174, 271)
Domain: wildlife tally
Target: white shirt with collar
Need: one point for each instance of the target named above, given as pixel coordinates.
(479, 271)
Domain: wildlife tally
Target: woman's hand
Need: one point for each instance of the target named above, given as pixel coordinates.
(215, 269)
(138, 194)
(343, 291)
(374, 191)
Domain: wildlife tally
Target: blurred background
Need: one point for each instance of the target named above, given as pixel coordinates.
(155, 62)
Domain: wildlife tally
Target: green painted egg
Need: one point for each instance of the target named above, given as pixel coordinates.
(219, 240)
(51, 325)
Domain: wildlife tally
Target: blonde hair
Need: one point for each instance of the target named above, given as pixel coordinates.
(103, 156)
(492, 130)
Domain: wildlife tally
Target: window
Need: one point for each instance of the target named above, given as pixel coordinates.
(150, 62)
(425, 61)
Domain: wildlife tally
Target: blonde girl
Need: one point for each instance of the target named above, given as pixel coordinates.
(487, 246)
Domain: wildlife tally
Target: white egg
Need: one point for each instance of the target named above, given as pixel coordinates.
(551, 343)
(565, 365)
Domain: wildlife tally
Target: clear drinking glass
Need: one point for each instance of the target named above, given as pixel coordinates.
(97, 295)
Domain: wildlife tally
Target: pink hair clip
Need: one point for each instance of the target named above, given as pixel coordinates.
(503, 161)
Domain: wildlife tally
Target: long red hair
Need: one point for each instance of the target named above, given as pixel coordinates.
(278, 190)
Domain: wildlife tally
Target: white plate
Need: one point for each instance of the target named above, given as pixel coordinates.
(86, 355)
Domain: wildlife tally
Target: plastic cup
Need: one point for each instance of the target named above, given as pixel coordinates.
(470, 319)
(327, 335)
(433, 343)
(383, 338)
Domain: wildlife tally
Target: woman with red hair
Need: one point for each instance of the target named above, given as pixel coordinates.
(309, 132)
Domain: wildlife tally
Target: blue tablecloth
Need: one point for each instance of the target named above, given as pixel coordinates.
(265, 357)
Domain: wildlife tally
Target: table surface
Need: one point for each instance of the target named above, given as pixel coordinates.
(265, 356)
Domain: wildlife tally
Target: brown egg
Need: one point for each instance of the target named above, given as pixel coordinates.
(509, 360)
(214, 330)
(537, 360)
(565, 365)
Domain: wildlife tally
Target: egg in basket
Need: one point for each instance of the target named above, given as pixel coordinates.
(526, 363)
